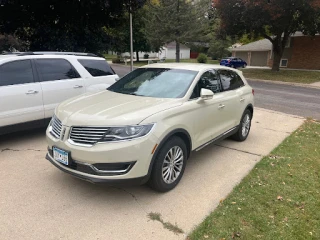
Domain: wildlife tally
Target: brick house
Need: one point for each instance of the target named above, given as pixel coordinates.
(301, 52)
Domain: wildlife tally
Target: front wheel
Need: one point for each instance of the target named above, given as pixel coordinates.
(244, 127)
(244, 65)
(169, 165)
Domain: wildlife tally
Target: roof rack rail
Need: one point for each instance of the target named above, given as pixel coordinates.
(57, 53)
(10, 53)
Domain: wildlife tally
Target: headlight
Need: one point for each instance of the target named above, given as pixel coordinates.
(126, 133)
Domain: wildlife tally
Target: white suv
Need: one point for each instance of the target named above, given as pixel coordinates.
(144, 127)
(33, 84)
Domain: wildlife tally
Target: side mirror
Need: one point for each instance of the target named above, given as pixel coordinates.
(206, 94)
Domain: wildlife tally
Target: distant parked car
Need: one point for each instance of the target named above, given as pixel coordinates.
(233, 62)
(32, 84)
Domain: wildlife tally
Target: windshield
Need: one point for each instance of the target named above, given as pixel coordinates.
(155, 82)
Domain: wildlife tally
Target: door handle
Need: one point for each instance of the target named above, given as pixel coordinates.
(31, 92)
(221, 106)
(242, 99)
(78, 86)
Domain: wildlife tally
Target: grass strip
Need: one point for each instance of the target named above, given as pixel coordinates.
(280, 197)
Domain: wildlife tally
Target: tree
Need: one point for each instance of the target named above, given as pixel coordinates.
(70, 25)
(11, 43)
(272, 19)
(120, 35)
(175, 20)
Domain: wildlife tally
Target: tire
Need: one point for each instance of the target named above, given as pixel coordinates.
(244, 65)
(245, 123)
(160, 179)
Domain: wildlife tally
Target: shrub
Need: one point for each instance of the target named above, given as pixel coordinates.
(202, 58)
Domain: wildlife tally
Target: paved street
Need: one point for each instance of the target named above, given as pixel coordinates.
(294, 100)
(38, 201)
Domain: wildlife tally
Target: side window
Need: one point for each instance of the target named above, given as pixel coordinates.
(209, 80)
(96, 67)
(55, 69)
(230, 80)
(16, 72)
(237, 81)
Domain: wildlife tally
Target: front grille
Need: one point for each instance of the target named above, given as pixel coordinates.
(56, 127)
(87, 135)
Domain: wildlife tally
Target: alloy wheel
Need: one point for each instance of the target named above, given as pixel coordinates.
(246, 123)
(172, 165)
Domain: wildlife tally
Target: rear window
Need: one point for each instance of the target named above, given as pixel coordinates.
(96, 68)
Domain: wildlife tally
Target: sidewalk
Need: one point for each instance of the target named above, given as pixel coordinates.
(311, 85)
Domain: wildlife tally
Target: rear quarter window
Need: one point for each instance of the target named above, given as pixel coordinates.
(96, 68)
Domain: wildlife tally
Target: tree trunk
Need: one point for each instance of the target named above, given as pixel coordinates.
(137, 54)
(278, 46)
(177, 51)
(277, 53)
(276, 60)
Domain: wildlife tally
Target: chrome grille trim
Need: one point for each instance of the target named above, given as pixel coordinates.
(56, 127)
(87, 136)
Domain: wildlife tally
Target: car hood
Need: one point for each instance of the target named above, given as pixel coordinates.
(110, 108)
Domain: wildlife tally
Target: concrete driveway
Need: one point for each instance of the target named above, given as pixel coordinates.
(37, 201)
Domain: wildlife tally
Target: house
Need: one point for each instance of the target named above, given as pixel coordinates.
(301, 52)
(169, 51)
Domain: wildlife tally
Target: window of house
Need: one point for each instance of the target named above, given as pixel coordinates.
(16, 72)
(96, 67)
(55, 69)
(284, 63)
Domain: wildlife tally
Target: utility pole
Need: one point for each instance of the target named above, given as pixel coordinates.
(131, 41)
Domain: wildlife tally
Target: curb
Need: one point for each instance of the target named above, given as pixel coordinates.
(285, 83)
(280, 113)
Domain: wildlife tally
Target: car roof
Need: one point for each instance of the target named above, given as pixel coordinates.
(187, 66)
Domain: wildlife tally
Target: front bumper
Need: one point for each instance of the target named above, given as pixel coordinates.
(97, 179)
(89, 163)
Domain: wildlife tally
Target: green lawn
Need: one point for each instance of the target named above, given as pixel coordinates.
(279, 199)
(109, 57)
(295, 76)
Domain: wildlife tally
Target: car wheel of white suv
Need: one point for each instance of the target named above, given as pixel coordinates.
(244, 127)
(169, 165)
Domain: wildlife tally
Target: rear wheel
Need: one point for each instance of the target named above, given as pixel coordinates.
(244, 65)
(169, 165)
(244, 127)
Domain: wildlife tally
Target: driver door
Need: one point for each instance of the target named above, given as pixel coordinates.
(207, 125)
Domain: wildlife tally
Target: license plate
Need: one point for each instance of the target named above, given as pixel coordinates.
(60, 156)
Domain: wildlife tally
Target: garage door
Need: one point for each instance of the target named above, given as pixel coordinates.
(259, 59)
(242, 55)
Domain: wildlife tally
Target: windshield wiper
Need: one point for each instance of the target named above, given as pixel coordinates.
(135, 94)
